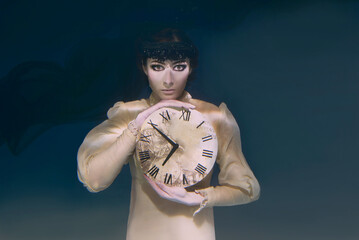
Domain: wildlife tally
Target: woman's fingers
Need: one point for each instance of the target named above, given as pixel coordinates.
(159, 190)
(173, 191)
(163, 103)
(176, 194)
(176, 103)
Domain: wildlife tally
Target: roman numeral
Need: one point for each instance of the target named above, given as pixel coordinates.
(184, 180)
(168, 178)
(207, 138)
(200, 168)
(186, 114)
(207, 153)
(153, 171)
(165, 115)
(144, 156)
(200, 124)
(151, 123)
(145, 138)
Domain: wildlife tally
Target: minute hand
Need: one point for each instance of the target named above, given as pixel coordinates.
(167, 138)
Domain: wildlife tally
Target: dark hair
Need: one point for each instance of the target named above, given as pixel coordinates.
(166, 44)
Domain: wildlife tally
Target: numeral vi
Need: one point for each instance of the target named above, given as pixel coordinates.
(168, 178)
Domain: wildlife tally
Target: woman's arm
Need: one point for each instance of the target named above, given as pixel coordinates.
(238, 185)
(108, 146)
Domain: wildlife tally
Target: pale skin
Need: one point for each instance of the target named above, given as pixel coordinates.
(168, 80)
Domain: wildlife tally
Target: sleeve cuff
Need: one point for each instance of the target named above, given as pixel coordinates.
(133, 129)
(206, 202)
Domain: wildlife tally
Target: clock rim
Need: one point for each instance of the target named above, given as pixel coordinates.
(215, 151)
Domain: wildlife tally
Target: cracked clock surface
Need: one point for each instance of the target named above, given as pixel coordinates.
(177, 147)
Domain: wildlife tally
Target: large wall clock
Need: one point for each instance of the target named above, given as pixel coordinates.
(177, 147)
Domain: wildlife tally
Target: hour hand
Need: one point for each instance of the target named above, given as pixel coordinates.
(170, 154)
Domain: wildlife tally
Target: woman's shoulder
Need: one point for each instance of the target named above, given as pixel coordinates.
(204, 106)
(220, 116)
(121, 108)
(210, 108)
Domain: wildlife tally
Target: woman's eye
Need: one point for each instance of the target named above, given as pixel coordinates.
(157, 67)
(180, 67)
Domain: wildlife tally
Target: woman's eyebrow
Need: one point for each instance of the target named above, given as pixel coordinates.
(179, 61)
(157, 61)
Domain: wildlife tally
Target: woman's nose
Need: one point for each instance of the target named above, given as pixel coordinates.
(168, 79)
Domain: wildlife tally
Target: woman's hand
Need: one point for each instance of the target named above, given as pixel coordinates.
(176, 194)
(163, 103)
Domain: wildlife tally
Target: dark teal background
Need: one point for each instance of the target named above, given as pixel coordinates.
(288, 71)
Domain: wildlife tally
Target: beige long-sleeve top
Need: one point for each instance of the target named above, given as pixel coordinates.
(111, 144)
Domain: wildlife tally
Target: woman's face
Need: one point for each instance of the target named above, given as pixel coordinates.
(167, 79)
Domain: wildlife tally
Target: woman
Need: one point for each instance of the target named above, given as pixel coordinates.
(167, 58)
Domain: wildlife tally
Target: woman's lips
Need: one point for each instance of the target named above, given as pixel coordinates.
(168, 91)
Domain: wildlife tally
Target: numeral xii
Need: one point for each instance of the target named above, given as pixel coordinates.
(186, 114)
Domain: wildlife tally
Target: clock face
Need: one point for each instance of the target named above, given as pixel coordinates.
(177, 147)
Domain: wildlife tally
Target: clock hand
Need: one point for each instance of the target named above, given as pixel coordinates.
(174, 145)
(171, 153)
(167, 138)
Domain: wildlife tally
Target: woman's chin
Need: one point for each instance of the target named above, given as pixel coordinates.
(169, 96)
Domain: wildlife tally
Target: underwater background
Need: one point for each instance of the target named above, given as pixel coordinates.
(287, 70)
